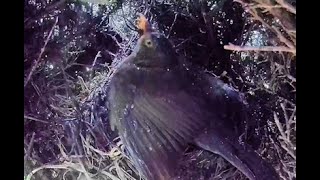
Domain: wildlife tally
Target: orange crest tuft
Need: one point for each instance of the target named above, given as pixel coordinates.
(143, 24)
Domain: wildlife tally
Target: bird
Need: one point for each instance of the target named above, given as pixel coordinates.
(160, 104)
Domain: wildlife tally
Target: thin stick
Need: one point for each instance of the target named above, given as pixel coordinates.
(34, 119)
(41, 53)
(262, 48)
(174, 21)
(86, 174)
(286, 5)
(29, 147)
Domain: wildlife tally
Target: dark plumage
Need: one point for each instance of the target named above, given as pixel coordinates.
(160, 105)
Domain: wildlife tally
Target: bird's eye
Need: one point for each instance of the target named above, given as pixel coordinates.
(148, 43)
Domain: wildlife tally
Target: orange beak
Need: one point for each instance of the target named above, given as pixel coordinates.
(143, 25)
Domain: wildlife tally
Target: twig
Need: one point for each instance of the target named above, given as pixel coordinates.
(280, 128)
(282, 38)
(111, 53)
(293, 79)
(286, 141)
(113, 177)
(267, 7)
(41, 53)
(286, 118)
(35, 119)
(174, 21)
(184, 41)
(262, 48)
(286, 5)
(95, 59)
(29, 147)
(86, 174)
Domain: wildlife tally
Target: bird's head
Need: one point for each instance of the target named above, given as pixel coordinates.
(153, 49)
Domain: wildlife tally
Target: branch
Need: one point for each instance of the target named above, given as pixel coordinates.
(95, 59)
(174, 21)
(29, 147)
(263, 48)
(34, 119)
(41, 53)
(286, 5)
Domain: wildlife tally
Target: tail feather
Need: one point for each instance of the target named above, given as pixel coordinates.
(243, 158)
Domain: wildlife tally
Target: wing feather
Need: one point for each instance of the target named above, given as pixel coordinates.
(155, 130)
(156, 127)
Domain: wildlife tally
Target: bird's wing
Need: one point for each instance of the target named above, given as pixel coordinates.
(156, 128)
(227, 93)
(229, 104)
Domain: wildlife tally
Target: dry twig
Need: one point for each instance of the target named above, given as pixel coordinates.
(263, 48)
(30, 146)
